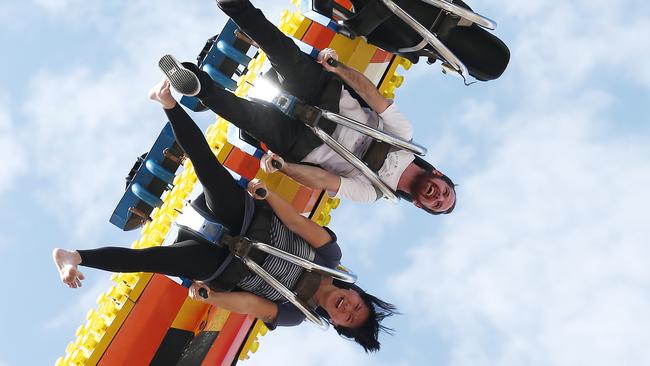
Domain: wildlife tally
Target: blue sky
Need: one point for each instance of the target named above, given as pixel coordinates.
(544, 262)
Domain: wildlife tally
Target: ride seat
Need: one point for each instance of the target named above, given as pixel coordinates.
(484, 55)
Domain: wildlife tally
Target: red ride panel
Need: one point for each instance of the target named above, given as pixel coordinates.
(226, 347)
(318, 36)
(139, 337)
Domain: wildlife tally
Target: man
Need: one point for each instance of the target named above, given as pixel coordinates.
(339, 89)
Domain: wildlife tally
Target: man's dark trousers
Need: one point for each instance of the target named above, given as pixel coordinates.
(298, 74)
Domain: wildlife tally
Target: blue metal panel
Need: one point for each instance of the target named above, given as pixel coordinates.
(220, 78)
(146, 196)
(121, 216)
(160, 172)
(233, 53)
(220, 50)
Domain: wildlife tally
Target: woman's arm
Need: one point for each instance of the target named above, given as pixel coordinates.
(238, 302)
(315, 235)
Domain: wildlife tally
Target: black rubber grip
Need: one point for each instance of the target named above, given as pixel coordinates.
(203, 293)
(261, 192)
(276, 164)
(332, 62)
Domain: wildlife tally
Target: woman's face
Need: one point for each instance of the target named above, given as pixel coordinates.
(346, 308)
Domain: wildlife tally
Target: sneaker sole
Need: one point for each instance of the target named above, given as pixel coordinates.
(181, 79)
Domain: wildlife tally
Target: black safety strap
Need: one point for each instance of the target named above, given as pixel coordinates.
(307, 285)
(376, 154)
(233, 270)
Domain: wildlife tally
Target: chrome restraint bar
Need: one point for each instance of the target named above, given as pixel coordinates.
(288, 294)
(463, 13)
(375, 134)
(437, 45)
(357, 163)
(311, 116)
(241, 246)
(306, 264)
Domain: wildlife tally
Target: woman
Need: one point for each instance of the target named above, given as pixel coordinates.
(354, 313)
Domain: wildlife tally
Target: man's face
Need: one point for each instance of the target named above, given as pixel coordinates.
(346, 308)
(430, 191)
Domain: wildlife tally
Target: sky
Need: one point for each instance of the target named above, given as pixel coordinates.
(543, 262)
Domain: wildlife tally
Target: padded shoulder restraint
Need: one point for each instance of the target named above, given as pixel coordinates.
(307, 285)
(369, 17)
(376, 154)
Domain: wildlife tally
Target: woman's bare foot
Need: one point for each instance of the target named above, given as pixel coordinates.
(161, 94)
(66, 262)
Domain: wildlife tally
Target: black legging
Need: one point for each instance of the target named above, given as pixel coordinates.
(189, 257)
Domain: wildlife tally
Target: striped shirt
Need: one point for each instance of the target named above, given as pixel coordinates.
(285, 272)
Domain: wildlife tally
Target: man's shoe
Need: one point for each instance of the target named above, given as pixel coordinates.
(181, 79)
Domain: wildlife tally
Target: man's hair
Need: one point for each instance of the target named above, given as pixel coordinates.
(367, 335)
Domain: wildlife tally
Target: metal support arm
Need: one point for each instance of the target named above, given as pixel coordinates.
(311, 117)
(446, 54)
(463, 13)
(241, 246)
(363, 168)
(306, 264)
(375, 134)
(288, 294)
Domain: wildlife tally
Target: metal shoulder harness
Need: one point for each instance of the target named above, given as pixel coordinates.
(311, 116)
(194, 219)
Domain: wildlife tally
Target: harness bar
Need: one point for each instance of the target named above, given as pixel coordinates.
(446, 54)
(463, 13)
(240, 246)
(357, 163)
(311, 115)
(374, 133)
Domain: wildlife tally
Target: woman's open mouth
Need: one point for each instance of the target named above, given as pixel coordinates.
(339, 302)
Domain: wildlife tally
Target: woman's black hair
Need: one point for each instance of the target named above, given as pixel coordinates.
(367, 335)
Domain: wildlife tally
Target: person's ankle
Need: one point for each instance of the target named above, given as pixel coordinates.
(168, 105)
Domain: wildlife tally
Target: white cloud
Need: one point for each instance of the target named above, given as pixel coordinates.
(308, 345)
(545, 260)
(379, 219)
(4, 242)
(14, 161)
(10, 11)
(85, 299)
(577, 41)
(83, 131)
(57, 7)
